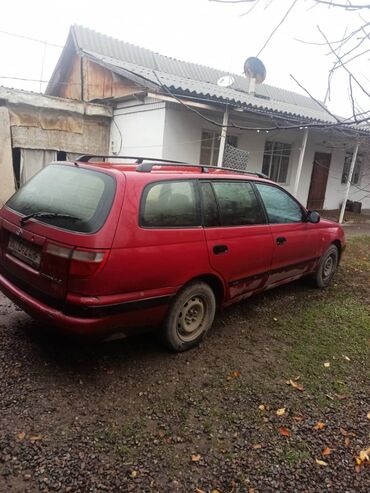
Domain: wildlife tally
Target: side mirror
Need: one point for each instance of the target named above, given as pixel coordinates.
(313, 217)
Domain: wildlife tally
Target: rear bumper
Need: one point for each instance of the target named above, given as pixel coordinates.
(127, 317)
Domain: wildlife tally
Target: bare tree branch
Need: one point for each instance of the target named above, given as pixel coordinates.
(341, 63)
(322, 106)
(345, 6)
(277, 27)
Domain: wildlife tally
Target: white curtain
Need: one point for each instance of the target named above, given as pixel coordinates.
(33, 160)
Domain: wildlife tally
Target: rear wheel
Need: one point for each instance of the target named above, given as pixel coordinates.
(190, 317)
(327, 267)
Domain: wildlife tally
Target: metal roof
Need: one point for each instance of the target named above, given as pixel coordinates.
(198, 80)
(207, 90)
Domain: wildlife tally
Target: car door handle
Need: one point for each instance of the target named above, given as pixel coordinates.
(280, 240)
(217, 249)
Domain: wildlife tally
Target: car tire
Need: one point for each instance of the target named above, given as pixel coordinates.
(190, 317)
(327, 267)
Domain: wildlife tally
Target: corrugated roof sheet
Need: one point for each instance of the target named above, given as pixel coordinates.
(193, 78)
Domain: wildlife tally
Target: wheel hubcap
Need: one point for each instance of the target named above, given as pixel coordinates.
(328, 267)
(190, 320)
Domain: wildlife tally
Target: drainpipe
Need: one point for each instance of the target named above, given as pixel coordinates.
(300, 162)
(225, 122)
(348, 184)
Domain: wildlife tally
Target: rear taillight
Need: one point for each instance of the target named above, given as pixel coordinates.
(86, 262)
(81, 263)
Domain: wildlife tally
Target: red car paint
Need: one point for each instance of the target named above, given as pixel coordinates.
(136, 271)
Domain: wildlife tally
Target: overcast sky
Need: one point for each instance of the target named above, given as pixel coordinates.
(200, 31)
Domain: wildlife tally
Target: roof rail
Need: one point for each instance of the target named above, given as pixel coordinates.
(85, 158)
(147, 168)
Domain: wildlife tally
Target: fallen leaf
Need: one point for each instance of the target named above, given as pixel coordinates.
(296, 385)
(363, 456)
(215, 491)
(319, 425)
(199, 491)
(368, 415)
(196, 457)
(327, 451)
(257, 446)
(235, 374)
(262, 407)
(321, 462)
(35, 438)
(280, 411)
(327, 364)
(298, 418)
(21, 435)
(341, 397)
(284, 431)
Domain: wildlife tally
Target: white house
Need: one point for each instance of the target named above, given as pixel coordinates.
(166, 108)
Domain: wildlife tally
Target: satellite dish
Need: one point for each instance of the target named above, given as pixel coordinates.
(255, 69)
(226, 81)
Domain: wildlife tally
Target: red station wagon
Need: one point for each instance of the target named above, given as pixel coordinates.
(97, 248)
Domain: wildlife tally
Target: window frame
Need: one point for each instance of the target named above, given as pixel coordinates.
(275, 142)
(356, 172)
(215, 150)
(147, 188)
(230, 180)
(303, 209)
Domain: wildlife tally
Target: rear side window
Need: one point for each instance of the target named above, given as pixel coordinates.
(280, 207)
(238, 204)
(170, 205)
(85, 195)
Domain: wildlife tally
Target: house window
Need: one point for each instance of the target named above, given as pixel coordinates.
(357, 169)
(211, 146)
(276, 161)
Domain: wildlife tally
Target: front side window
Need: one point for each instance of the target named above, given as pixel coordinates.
(238, 204)
(356, 176)
(280, 207)
(170, 205)
(211, 145)
(276, 161)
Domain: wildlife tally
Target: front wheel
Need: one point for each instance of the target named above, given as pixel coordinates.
(327, 267)
(190, 317)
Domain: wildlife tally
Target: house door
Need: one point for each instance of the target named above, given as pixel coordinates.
(319, 179)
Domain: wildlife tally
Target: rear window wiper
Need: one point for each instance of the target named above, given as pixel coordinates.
(48, 214)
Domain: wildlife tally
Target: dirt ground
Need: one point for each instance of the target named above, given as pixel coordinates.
(276, 399)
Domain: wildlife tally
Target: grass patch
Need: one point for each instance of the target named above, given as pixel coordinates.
(331, 330)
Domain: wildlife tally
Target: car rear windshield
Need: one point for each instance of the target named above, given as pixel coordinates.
(84, 195)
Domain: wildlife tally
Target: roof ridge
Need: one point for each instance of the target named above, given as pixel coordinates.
(154, 52)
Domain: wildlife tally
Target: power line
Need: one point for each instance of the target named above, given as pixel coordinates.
(277, 27)
(28, 38)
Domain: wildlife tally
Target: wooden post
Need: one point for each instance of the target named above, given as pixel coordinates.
(300, 162)
(348, 184)
(225, 122)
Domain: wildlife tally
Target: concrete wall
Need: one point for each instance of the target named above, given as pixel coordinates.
(7, 182)
(169, 131)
